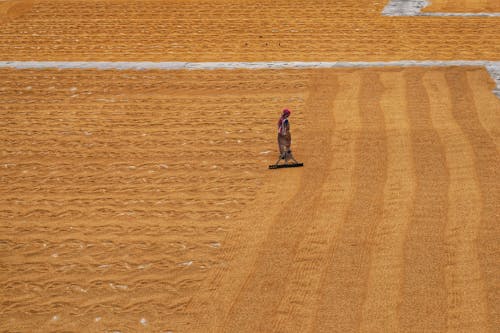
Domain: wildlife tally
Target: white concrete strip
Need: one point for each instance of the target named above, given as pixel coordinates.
(493, 67)
(404, 7)
(494, 70)
(175, 65)
(414, 8)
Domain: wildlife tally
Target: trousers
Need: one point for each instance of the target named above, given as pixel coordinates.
(284, 142)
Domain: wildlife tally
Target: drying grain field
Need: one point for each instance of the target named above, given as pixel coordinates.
(230, 30)
(119, 188)
(140, 201)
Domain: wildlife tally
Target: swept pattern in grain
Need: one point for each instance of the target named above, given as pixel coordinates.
(465, 291)
(423, 306)
(297, 308)
(423, 293)
(267, 282)
(345, 282)
(141, 201)
(486, 105)
(381, 308)
(486, 161)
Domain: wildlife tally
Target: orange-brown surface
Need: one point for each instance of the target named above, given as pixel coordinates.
(141, 201)
(10, 10)
(463, 6)
(239, 30)
(119, 189)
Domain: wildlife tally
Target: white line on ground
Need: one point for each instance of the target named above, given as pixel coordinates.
(414, 8)
(177, 65)
(493, 67)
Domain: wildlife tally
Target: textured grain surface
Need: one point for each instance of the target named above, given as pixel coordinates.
(242, 30)
(12, 9)
(141, 201)
(119, 188)
(463, 6)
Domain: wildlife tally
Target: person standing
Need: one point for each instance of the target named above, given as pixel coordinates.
(284, 135)
(284, 143)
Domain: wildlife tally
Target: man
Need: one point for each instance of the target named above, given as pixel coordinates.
(284, 143)
(284, 136)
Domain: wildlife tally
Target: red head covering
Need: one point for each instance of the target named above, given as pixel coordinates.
(285, 114)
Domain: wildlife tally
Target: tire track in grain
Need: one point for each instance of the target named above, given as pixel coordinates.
(254, 308)
(466, 297)
(296, 310)
(486, 161)
(423, 306)
(345, 281)
(380, 310)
